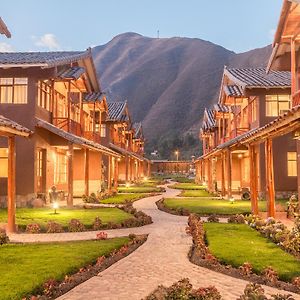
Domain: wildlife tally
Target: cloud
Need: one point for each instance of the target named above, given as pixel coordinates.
(5, 47)
(272, 33)
(48, 40)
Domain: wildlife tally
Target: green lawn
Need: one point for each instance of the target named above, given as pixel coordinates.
(139, 189)
(212, 206)
(187, 186)
(235, 244)
(123, 198)
(195, 193)
(41, 216)
(25, 267)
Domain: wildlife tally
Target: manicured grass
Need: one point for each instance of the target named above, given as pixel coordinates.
(25, 267)
(195, 193)
(123, 198)
(212, 206)
(41, 216)
(235, 244)
(187, 186)
(184, 179)
(139, 189)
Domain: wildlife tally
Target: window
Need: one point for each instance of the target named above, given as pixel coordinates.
(44, 95)
(292, 163)
(103, 130)
(4, 162)
(13, 90)
(61, 165)
(277, 104)
(39, 163)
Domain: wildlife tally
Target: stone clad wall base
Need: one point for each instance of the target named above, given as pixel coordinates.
(21, 200)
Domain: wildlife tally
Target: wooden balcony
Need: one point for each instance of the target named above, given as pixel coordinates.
(296, 99)
(68, 125)
(92, 136)
(238, 131)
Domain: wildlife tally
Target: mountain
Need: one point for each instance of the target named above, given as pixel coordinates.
(167, 81)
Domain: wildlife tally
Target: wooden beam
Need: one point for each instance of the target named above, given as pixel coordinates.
(209, 175)
(86, 171)
(223, 188)
(229, 172)
(126, 167)
(116, 174)
(70, 155)
(294, 87)
(270, 178)
(11, 185)
(253, 179)
(109, 175)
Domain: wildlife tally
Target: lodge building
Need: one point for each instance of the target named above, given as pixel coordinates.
(57, 96)
(265, 155)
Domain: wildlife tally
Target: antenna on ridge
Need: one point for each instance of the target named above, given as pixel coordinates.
(158, 34)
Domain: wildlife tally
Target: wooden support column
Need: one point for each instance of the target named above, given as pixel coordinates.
(149, 169)
(229, 172)
(116, 174)
(253, 179)
(69, 106)
(109, 175)
(70, 155)
(223, 188)
(270, 178)
(86, 171)
(11, 185)
(126, 167)
(293, 68)
(209, 175)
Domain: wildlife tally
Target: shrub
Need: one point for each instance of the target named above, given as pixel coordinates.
(97, 224)
(253, 291)
(246, 269)
(239, 219)
(75, 226)
(90, 199)
(4, 239)
(101, 235)
(270, 275)
(209, 293)
(132, 222)
(132, 236)
(213, 218)
(179, 290)
(33, 228)
(296, 282)
(54, 227)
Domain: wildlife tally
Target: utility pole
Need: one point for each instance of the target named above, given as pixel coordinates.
(158, 34)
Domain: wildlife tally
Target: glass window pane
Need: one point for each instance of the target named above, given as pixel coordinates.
(292, 155)
(284, 98)
(271, 97)
(22, 80)
(271, 109)
(6, 81)
(6, 94)
(283, 106)
(20, 94)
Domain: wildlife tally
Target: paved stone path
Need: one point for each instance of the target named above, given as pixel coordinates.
(161, 260)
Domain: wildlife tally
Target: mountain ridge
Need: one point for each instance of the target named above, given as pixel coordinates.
(167, 81)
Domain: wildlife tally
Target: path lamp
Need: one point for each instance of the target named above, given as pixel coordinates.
(177, 154)
(231, 200)
(55, 207)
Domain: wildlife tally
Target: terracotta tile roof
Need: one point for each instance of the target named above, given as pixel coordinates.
(42, 59)
(71, 73)
(7, 125)
(233, 91)
(258, 78)
(222, 108)
(137, 127)
(116, 111)
(92, 97)
(209, 121)
(125, 152)
(74, 138)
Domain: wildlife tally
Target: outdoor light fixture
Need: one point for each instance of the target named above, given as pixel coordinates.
(231, 200)
(55, 206)
(240, 155)
(145, 178)
(119, 159)
(127, 184)
(177, 154)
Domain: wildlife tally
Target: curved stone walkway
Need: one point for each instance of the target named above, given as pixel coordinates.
(161, 260)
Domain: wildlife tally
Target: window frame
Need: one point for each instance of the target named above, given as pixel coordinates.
(277, 102)
(12, 85)
(290, 160)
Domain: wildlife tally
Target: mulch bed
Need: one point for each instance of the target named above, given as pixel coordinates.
(53, 289)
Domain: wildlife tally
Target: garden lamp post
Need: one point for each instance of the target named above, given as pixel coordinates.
(177, 154)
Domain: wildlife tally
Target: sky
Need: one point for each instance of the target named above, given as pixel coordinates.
(39, 25)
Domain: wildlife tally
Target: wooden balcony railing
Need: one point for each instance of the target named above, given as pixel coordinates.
(296, 99)
(68, 125)
(238, 131)
(92, 136)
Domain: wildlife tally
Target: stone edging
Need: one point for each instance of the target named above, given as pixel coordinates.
(53, 289)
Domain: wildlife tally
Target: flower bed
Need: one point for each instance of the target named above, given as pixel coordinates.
(277, 232)
(200, 254)
(130, 218)
(183, 289)
(53, 289)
